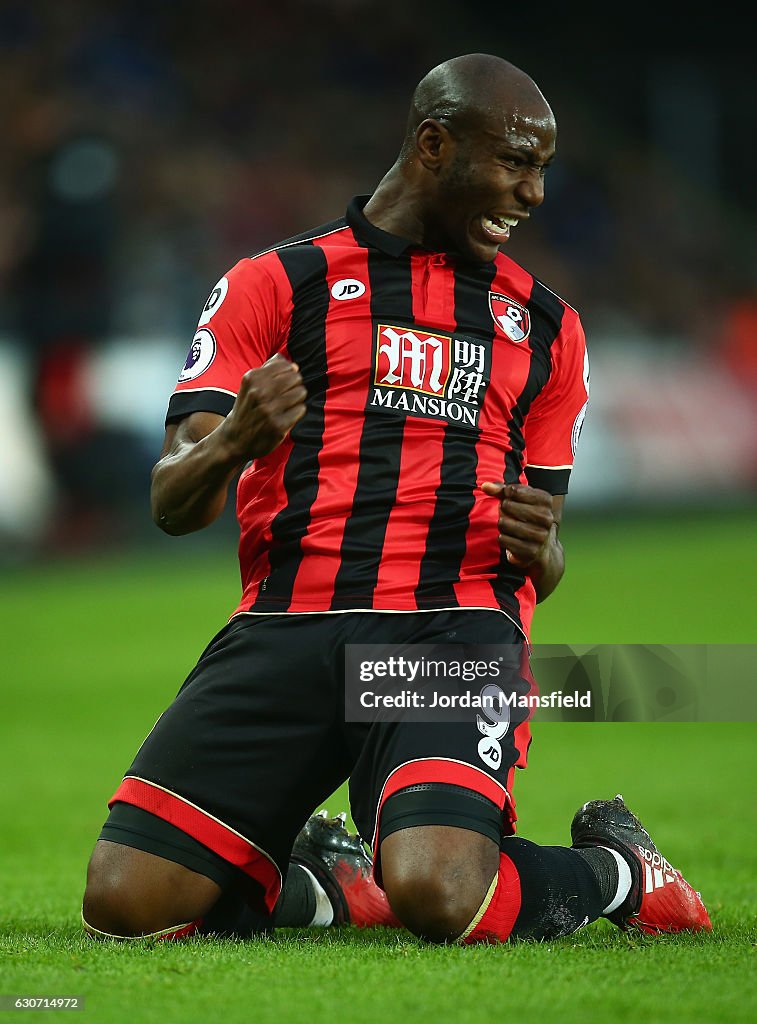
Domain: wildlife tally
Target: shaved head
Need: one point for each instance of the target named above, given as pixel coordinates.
(478, 141)
(474, 91)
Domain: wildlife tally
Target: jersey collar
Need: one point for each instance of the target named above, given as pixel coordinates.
(392, 245)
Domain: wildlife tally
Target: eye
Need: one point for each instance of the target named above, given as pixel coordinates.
(511, 160)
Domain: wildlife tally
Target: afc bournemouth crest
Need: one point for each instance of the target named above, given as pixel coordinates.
(512, 319)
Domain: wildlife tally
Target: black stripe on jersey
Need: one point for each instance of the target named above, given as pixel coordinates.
(546, 319)
(380, 450)
(306, 267)
(448, 529)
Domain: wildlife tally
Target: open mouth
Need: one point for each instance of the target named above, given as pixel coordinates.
(498, 228)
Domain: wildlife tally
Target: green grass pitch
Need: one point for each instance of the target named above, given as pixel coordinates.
(94, 649)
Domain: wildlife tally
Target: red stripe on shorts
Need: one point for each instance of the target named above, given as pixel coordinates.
(453, 773)
(207, 830)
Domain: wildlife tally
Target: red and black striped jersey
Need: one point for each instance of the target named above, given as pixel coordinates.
(426, 376)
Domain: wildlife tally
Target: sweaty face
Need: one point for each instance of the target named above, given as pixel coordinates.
(493, 178)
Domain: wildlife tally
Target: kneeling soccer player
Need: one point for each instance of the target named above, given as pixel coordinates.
(401, 403)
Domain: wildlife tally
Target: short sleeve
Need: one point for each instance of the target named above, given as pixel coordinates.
(240, 326)
(554, 421)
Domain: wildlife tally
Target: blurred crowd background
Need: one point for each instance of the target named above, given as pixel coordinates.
(147, 146)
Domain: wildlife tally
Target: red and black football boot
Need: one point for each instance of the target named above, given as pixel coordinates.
(660, 900)
(340, 863)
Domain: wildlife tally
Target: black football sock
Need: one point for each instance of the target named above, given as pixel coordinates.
(605, 869)
(559, 891)
(304, 903)
(233, 918)
(297, 904)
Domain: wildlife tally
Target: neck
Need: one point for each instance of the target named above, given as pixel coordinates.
(396, 206)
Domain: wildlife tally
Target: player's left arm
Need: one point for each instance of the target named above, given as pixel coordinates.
(528, 524)
(530, 513)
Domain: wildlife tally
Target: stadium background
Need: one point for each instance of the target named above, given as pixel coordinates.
(147, 147)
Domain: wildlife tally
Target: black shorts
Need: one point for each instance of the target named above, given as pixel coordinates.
(256, 739)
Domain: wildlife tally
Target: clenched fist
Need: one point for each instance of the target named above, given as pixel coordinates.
(270, 401)
(526, 522)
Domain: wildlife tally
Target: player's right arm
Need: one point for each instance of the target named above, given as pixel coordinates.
(203, 453)
(236, 398)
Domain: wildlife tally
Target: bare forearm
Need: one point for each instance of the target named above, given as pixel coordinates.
(204, 452)
(190, 484)
(547, 572)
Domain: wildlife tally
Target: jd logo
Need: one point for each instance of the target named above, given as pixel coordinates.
(347, 288)
(494, 726)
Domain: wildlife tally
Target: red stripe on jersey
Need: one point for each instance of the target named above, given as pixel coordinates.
(260, 489)
(525, 597)
(260, 494)
(512, 279)
(206, 829)
(252, 590)
(248, 326)
(407, 529)
(433, 290)
(433, 296)
(338, 468)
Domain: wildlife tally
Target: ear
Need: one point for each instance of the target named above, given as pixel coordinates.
(433, 143)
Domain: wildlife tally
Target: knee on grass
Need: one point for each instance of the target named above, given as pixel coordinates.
(436, 878)
(130, 894)
(431, 905)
